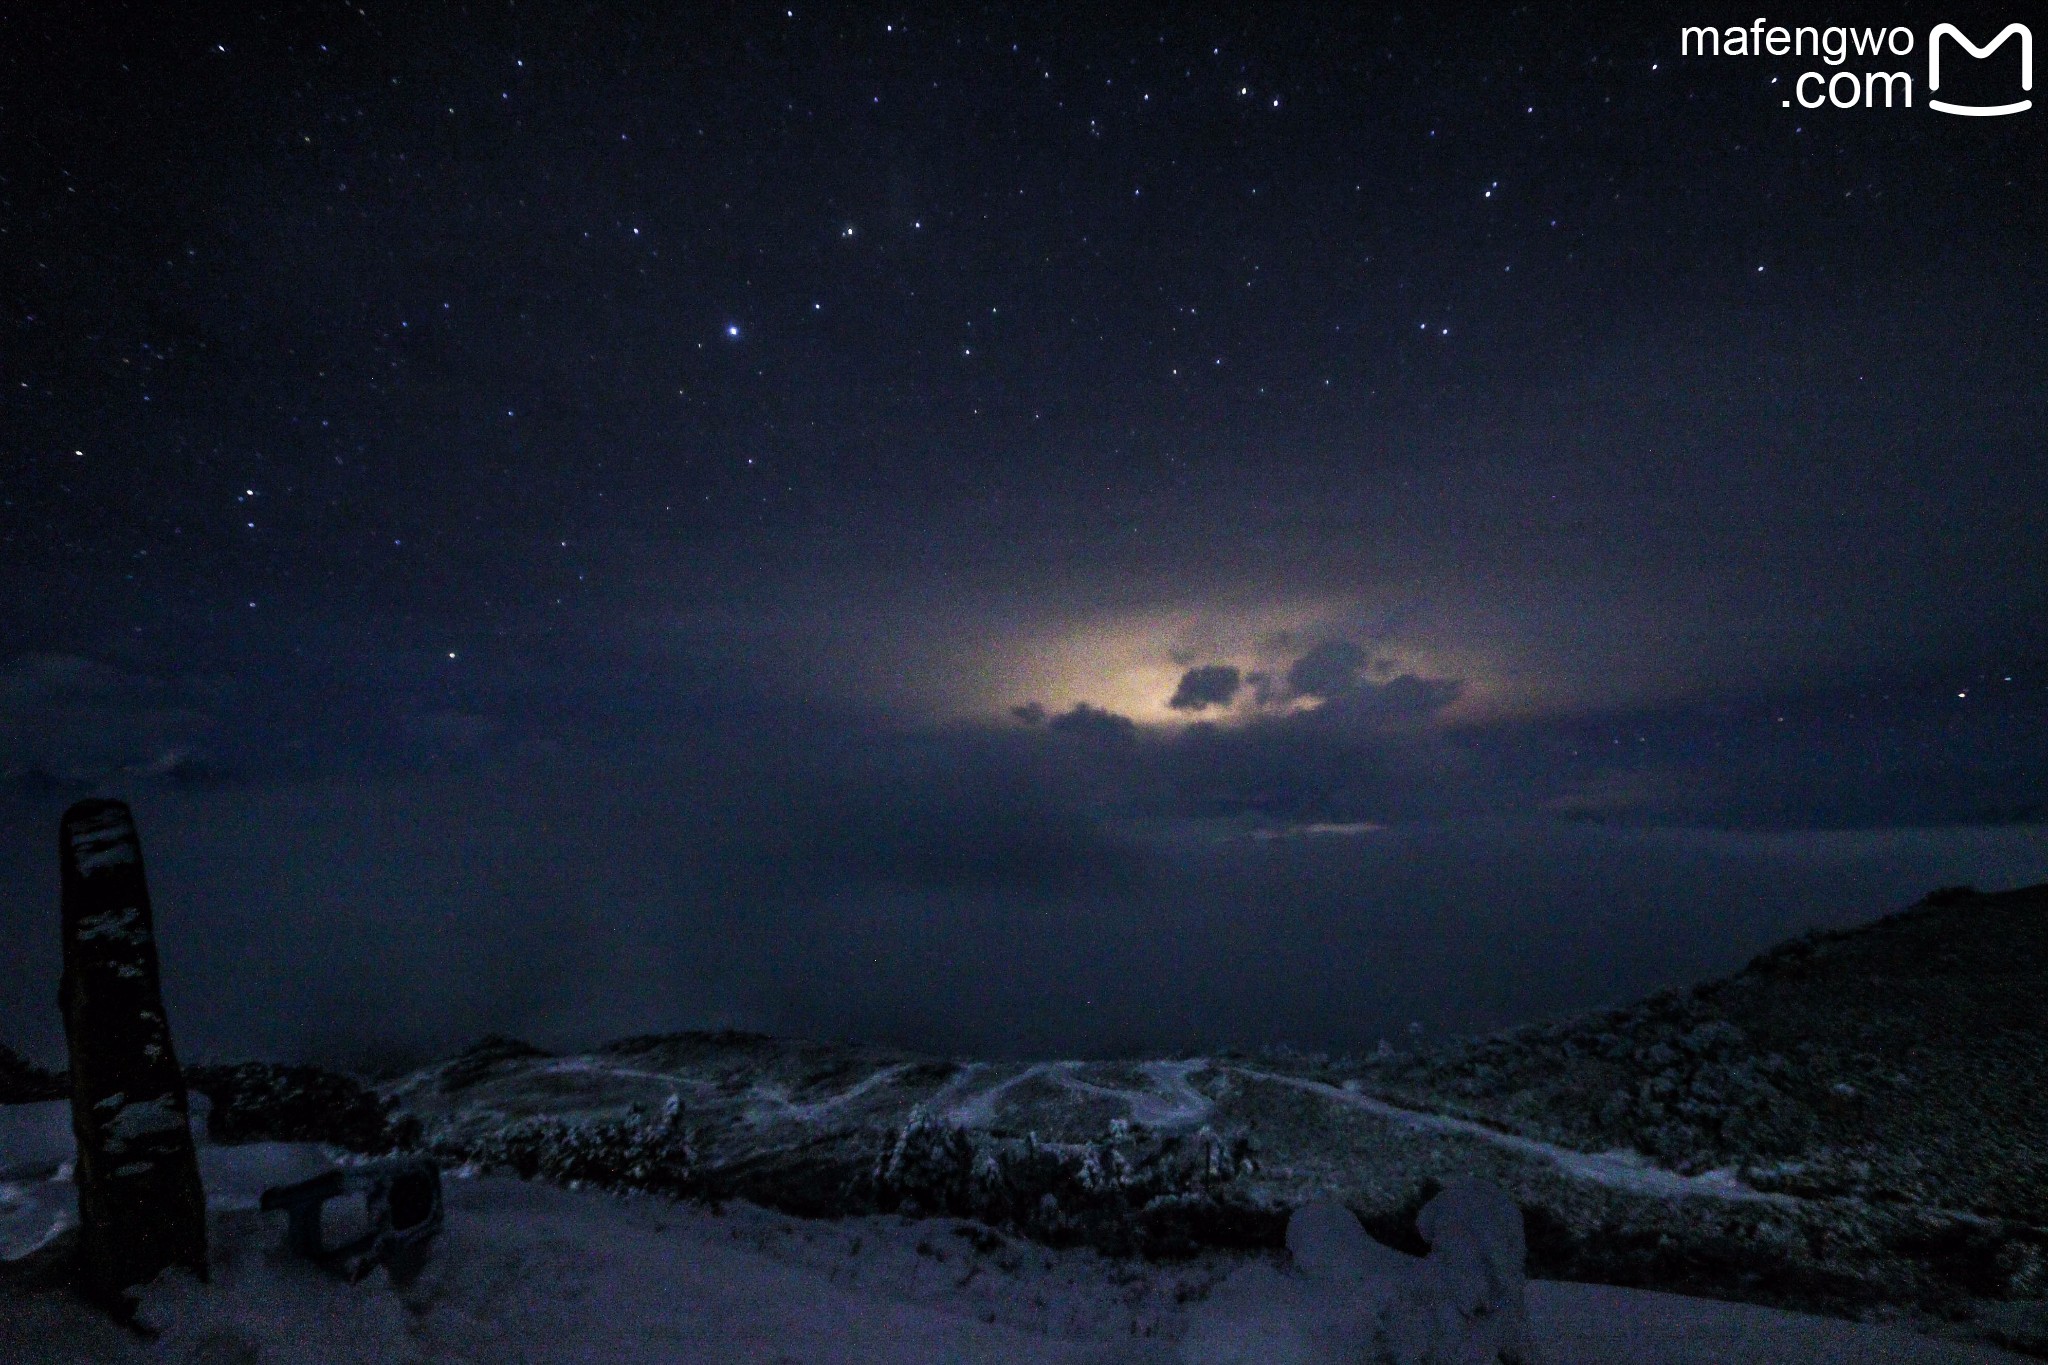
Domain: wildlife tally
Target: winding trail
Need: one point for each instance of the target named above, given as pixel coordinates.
(592, 1066)
(1169, 1102)
(1618, 1170)
(1172, 1106)
(785, 1109)
(979, 1110)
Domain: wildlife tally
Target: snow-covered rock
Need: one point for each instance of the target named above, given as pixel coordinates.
(1325, 1242)
(1346, 1298)
(1465, 1304)
(35, 1138)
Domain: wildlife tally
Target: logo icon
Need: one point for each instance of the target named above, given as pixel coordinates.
(1980, 110)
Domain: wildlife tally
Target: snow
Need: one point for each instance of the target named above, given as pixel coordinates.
(979, 1110)
(532, 1273)
(139, 1118)
(1170, 1104)
(32, 1212)
(1593, 1324)
(1342, 1297)
(1162, 1096)
(1266, 1321)
(35, 1210)
(772, 1104)
(569, 1066)
(1619, 1170)
(102, 841)
(124, 926)
(1168, 1101)
(36, 1198)
(35, 1138)
(1326, 1242)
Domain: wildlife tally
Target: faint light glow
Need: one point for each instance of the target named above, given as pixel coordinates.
(1132, 663)
(1322, 829)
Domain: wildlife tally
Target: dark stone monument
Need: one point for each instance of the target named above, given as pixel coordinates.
(140, 1205)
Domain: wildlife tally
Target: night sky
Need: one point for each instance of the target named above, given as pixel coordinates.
(992, 530)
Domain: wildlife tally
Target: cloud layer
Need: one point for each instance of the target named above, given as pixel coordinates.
(1319, 871)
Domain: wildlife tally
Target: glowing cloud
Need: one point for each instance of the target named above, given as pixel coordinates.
(1177, 667)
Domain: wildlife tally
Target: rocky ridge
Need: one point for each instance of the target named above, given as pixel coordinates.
(1899, 1063)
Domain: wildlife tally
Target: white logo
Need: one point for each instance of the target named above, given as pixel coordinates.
(1980, 110)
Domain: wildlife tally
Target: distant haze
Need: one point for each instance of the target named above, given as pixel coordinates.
(376, 923)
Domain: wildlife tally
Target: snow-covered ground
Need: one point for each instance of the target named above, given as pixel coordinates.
(1158, 1095)
(529, 1272)
(1166, 1102)
(1622, 1170)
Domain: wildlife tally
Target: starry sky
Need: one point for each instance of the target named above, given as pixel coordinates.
(996, 528)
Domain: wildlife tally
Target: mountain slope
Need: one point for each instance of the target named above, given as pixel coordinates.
(1900, 1062)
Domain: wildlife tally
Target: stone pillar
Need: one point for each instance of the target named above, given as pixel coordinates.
(140, 1205)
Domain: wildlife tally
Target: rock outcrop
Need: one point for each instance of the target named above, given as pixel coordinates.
(1343, 1298)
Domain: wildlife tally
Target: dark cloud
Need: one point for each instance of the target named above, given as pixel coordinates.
(1328, 670)
(1095, 723)
(1299, 767)
(1211, 685)
(1354, 687)
(1403, 697)
(75, 721)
